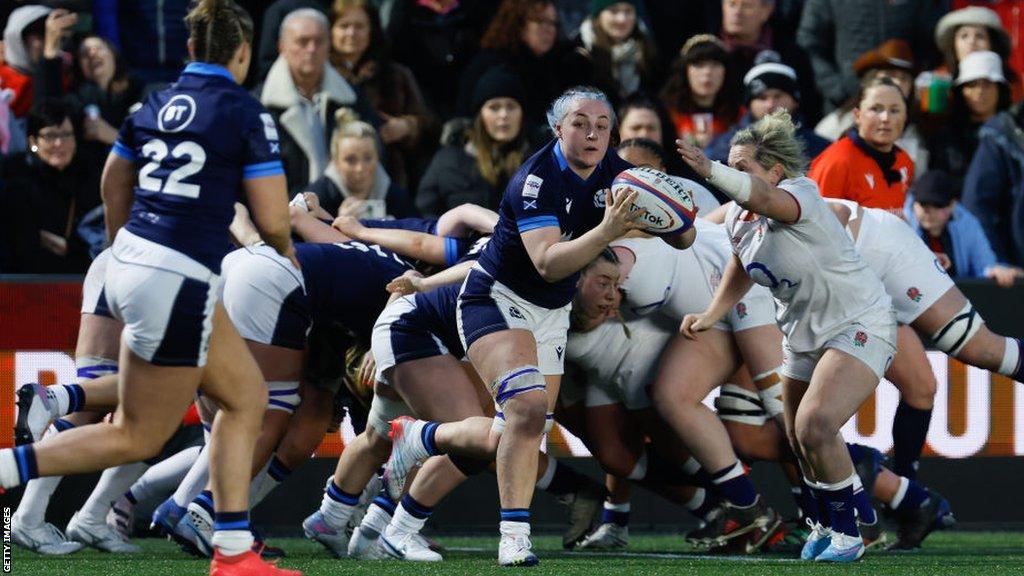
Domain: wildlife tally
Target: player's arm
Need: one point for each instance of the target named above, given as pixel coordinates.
(311, 229)
(747, 190)
(117, 188)
(242, 230)
(682, 241)
(735, 283)
(465, 219)
(268, 208)
(717, 216)
(556, 260)
(412, 281)
(408, 243)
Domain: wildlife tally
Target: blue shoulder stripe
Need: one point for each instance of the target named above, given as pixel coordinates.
(262, 170)
(123, 151)
(534, 222)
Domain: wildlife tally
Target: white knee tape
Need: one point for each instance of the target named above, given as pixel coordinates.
(498, 423)
(739, 405)
(518, 381)
(383, 411)
(964, 324)
(549, 422)
(89, 367)
(283, 395)
(769, 386)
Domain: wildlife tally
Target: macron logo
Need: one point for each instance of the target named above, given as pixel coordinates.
(531, 188)
(871, 180)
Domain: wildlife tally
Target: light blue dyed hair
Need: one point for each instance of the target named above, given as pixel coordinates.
(561, 106)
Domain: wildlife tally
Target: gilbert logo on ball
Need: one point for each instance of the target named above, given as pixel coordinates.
(669, 206)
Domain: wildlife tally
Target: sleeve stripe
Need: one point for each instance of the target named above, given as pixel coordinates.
(527, 224)
(123, 151)
(263, 169)
(451, 250)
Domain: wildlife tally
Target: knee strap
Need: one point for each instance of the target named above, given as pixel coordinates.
(769, 390)
(549, 422)
(89, 367)
(498, 423)
(283, 396)
(964, 324)
(518, 381)
(739, 405)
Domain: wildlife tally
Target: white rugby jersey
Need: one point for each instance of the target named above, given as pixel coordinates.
(819, 282)
(607, 356)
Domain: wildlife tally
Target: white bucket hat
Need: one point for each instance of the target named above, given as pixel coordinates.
(978, 65)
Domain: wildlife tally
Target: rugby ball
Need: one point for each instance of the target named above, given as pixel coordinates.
(670, 207)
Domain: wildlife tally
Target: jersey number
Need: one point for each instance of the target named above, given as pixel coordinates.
(156, 151)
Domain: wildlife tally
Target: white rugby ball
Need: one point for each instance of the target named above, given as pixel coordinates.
(670, 207)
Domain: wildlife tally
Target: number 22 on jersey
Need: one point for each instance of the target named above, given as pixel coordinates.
(156, 151)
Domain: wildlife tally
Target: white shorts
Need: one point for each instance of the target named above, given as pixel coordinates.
(164, 298)
(874, 347)
(265, 297)
(94, 300)
(912, 275)
(487, 306)
(756, 308)
(398, 338)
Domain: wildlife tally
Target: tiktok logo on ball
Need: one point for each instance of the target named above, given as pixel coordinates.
(177, 114)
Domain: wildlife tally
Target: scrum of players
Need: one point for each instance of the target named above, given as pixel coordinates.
(455, 344)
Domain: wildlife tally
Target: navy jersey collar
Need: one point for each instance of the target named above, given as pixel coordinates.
(563, 164)
(207, 69)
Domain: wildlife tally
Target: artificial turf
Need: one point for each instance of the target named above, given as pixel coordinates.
(958, 553)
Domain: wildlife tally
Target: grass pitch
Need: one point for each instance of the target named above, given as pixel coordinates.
(959, 553)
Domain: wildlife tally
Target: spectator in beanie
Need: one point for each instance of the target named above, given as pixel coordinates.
(619, 48)
(994, 186)
(892, 60)
(478, 163)
(952, 232)
(866, 165)
(359, 52)
(769, 86)
(980, 92)
(524, 36)
(701, 95)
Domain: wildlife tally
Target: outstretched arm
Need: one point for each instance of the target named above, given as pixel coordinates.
(408, 243)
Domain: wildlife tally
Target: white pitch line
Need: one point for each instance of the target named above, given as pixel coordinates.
(650, 555)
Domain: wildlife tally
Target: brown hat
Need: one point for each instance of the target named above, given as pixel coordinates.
(893, 53)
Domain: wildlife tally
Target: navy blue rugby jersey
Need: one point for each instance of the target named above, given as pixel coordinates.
(346, 282)
(546, 192)
(194, 143)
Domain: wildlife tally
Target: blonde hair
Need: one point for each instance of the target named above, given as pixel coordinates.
(348, 125)
(774, 140)
(496, 161)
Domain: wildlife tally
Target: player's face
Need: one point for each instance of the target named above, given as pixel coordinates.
(969, 38)
(502, 118)
(618, 21)
(706, 78)
(640, 123)
(597, 292)
(96, 61)
(742, 158)
(641, 157)
(880, 117)
(769, 100)
(981, 97)
(55, 145)
(541, 30)
(304, 47)
(356, 161)
(585, 132)
(350, 34)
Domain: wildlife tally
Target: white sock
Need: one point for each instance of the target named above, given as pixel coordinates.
(405, 522)
(195, 480)
(510, 528)
(336, 513)
(624, 507)
(376, 520)
(900, 493)
(549, 473)
(697, 501)
(232, 542)
(113, 483)
(36, 498)
(161, 478)
(9, 477)
(1011, 357)
(262, 484)
(639, 469)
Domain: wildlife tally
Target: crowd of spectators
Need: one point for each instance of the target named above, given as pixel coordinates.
(398, 108)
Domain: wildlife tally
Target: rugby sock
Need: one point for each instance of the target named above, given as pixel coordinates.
(909, 430)
(17, 466)
(231, 533)
(909, 496)
(162, 477)
(34, 501)
(70, 398)
(337, 505)
(515, 522)
(842, 514)
(410, 515)
(735, 486)
(617, 514)
(111, 485)
(205, 501)
(195, 479)
(427, 438)
(808, 501)
(273, 474)
(1013, 363)
(861, 502)
(702, 503)
(378, 516)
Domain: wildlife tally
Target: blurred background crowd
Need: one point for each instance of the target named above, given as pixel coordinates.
(396, 108)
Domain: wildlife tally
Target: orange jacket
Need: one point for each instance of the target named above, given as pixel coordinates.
(845, 171)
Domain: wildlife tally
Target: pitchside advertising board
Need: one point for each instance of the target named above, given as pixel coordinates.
(976, 413)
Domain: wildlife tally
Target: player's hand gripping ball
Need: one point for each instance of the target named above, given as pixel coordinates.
(670, 207)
